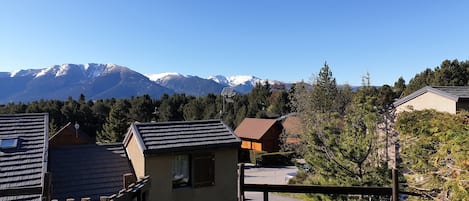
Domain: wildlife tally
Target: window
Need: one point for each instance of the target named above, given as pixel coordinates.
(204, 170)
(181, 171)
(8, 143)
(195, 170)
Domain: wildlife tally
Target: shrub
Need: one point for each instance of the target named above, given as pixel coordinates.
(275, 159)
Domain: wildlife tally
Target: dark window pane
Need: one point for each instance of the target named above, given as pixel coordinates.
(204, 170)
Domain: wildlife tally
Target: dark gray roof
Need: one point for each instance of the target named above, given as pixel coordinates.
(455, 91)
(174, 136)
(21, 197)
(90, 170)
(23, 167)
(452, 92)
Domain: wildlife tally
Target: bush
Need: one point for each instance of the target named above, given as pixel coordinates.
(275, 159)
(255, 155)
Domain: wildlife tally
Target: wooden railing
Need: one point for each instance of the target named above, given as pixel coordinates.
(392, 191)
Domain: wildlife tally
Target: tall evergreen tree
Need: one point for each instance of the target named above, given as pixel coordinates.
(142, 108)
(325, 91)
(258, 99)
(116, 124)
(341, 146)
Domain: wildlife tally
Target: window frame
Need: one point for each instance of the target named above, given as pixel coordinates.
(201, 170)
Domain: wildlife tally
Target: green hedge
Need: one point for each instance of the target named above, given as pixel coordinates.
(275, 159)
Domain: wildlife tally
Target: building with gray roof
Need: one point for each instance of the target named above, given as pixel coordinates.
(88, 171)
(83, 169)
(441, 98)
(187, 160)
(23, 157)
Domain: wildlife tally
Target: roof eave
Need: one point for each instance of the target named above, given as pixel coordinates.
(133, 131)
(46, 151)
(150, 152)
(422, 91)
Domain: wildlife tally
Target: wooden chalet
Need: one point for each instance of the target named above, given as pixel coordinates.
(260, 134)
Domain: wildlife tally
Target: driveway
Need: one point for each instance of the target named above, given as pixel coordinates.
(271, 175)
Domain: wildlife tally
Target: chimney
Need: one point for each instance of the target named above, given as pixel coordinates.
(128, 179)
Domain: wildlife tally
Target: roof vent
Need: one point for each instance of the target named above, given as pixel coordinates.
(9, 143)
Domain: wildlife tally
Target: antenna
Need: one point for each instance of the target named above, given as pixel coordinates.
(227, 93)
(77, 126)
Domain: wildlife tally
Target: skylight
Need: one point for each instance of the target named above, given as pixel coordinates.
(8, 143)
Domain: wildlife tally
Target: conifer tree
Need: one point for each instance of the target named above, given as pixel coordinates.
(116, 124)
(340, 134)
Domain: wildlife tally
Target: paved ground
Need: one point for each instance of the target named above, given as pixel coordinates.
(275, 175)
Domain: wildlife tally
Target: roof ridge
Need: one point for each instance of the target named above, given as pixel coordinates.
(178, 122)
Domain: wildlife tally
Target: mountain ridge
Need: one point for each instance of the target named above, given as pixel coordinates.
(97, 81)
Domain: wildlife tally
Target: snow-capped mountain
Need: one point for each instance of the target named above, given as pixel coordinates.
(98, 81)
(188, 84)
(95, 81)
(240, 83)
(160, 77)
(236, 80)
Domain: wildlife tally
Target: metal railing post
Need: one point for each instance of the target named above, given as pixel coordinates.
(395, 185)
(241, 182)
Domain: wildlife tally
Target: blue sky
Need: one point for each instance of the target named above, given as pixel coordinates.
(281, 40)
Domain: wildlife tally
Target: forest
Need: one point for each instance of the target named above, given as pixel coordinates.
(341, 141)
(109, 119)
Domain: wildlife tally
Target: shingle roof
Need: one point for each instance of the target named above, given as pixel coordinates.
(159, 137)
(456, 91)
(452, 92)
(292, 125)
(24, 166)
(21, 197)
(91, 170)
(253, 128)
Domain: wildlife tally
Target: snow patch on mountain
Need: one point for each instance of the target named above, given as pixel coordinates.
(62, 70)
(90, 70)
(20, 73)
(220, 79)
(236, 80)
(158, 77)
(244, 79)
(94, 70)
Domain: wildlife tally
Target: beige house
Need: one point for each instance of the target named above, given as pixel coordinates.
(189, 160)
(443, 99)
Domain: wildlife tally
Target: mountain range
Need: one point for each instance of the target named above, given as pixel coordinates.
(99, 81)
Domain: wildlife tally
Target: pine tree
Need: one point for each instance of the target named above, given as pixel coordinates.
(325, 91)
(340, 134)
(116, 124)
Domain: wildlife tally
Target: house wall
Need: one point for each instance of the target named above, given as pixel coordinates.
(225, 188)
(271, 139)
(136, 157)
(429, 100)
